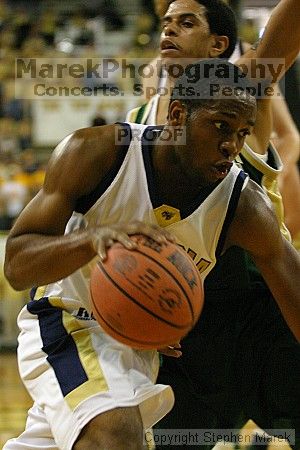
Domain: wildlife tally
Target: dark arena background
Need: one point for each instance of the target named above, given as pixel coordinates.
(64, 66)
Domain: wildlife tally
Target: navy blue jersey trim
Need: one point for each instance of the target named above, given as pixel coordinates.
(32, 292)
(254, 173)
(58, 345)
(85, 202)
(233, 202)
(271, 160)
(148, 139)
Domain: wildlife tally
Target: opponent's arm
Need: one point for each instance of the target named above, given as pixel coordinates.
(278, 42)
(255, 229)
(286, 136)
(286, 139)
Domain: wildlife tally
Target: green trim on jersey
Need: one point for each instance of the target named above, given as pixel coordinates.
(140, 114)
(264, 174)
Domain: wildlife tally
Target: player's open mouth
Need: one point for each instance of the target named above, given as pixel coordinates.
(223, 168)
(167, 45)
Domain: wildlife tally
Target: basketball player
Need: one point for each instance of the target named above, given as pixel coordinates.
(285, 134)
(230, 360)
(215, 34)
(126, 176)
(286, 139)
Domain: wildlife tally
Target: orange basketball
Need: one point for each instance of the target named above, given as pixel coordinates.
(149, 297)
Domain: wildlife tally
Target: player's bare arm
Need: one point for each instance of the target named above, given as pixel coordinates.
(277, 42)
(255, 228)
(38, 252)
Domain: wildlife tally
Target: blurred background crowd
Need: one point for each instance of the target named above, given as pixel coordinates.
(42, 29)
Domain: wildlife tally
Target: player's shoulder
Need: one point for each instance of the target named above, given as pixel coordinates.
(255, 227)
(253, 201)
(254, 218)
(85, 144)
(93, 139)
(85, 155)
(253, 212)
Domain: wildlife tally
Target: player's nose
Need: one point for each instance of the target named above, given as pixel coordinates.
(170, 29)
(229, 149)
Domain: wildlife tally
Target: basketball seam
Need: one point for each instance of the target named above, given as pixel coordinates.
(128, 338)
(179, 327)
(176, 281)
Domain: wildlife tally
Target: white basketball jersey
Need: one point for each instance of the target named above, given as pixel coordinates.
(129, 195)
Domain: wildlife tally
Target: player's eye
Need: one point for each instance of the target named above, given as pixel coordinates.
(164, 23)
(187, 24)
(222, 126)
(244, 133)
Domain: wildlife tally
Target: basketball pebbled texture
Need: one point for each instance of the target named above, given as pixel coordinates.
(149, 297)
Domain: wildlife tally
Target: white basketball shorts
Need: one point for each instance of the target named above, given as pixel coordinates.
(74, 371)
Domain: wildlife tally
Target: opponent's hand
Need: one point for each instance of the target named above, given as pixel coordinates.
(105, 237)
(171, 350)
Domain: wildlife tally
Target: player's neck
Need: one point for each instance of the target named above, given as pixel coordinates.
(172, 185)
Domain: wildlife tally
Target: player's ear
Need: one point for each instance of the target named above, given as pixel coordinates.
(177, 113)
(218, 45)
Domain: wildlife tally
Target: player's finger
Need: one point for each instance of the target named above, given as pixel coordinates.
(101, 249)
(161, 233)
(177, 345)
(170, 351)
(110, 243)
(124, 239)
(153, 231)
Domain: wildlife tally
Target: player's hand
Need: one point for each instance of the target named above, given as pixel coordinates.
(171, 350)
(105, 237)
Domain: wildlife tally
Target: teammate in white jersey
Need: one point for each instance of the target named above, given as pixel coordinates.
(101, 186)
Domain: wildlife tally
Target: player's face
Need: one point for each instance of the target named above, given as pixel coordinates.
(214, 137)
(185, 31)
